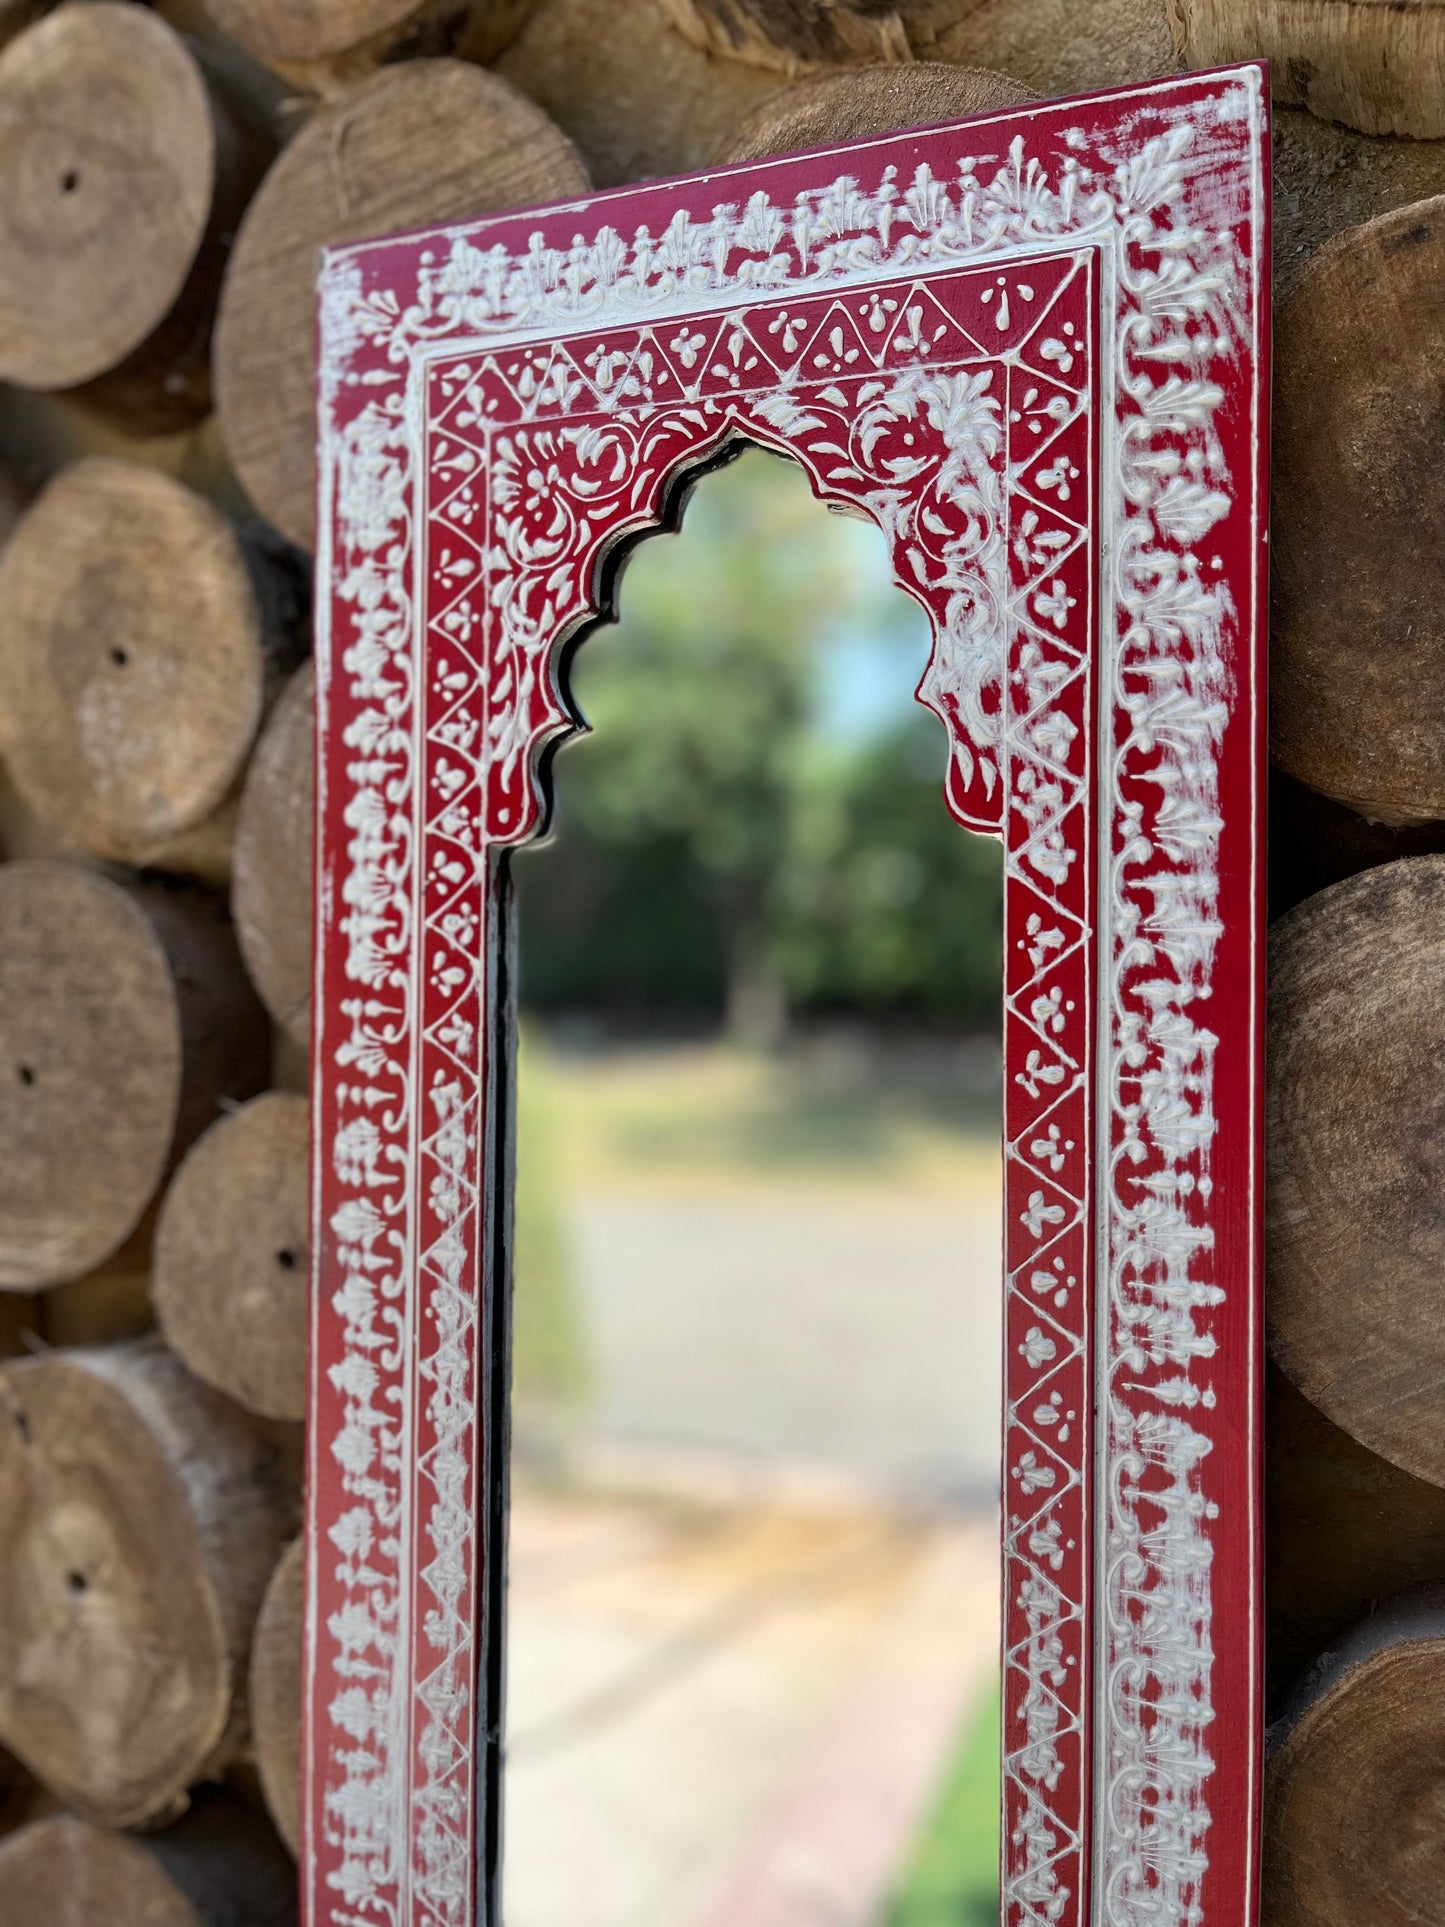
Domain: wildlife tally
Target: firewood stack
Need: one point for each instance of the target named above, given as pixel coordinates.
(166, 177)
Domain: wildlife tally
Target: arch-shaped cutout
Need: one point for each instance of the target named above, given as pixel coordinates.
(493, 408)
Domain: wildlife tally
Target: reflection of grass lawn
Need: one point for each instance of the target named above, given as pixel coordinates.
(952, 1880)
(708, 1114)
(714, 1114)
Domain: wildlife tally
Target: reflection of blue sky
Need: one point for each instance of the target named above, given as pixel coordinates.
(867, 674)
(869, 656)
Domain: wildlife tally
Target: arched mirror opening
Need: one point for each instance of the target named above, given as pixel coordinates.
(753, 1669)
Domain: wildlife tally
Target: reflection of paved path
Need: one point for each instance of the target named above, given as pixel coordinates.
(847, 1330)
(722, 1717)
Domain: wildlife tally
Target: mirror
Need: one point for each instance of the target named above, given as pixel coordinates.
(753, 1607)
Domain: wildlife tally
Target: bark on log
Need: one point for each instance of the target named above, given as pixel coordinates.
(141, 1518)
(1355, 1784)
(326, 46)
(271, 891)
(425, 143)
(1373, 64)
(871, 100)
(141, 639)
(1059, 46)
(637, 98)
(1356, 1135)
(125, 1021)
(126, 160)
(220, 1866)
(1357, 664)
(232, 1257)
(1343, 1529)
(276, 1693)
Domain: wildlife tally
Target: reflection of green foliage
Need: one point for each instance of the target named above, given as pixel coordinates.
(879, 899)
(714, 830)
(548, 1353)
(952, 1880)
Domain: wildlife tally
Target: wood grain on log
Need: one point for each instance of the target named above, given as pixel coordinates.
(1356, 1135)
(125, 165)
(271, 874)
(871, 100)
(638, 99)
(1343, 1529)
(141, 1517)
(1059, 46)
(1357, 657)
(276, 1693)
(125, 1021)
(232, 1257)
(1355, 1784)
(325, 46)
(140, 640)
(431, 141)
(1378, 65)
(220, 1866)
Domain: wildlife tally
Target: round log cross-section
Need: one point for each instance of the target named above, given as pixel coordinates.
(871, 100)
(276, 1693)
(1357, 650)
(428, 142)
(141, 1517)
(325, 46)
(271, 870)
(124, 166)
(220, 1866)
(232, 1257)
(125, 1019)
(1355, 1783)
(1356, 1135)
(638, 98)
(139, 641)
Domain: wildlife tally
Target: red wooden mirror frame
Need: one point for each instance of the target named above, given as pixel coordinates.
(1033, 348)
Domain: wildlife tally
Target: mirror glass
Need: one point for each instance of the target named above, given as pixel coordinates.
(753, 1673)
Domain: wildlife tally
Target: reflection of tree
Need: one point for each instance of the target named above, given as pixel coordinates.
(718, 848)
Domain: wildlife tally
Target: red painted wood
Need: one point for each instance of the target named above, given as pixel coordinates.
(1032, 347)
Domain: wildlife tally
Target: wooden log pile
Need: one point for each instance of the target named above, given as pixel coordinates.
(166, 176)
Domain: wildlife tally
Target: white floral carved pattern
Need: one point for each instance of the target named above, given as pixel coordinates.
(924, 349)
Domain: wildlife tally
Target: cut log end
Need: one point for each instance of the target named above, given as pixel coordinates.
(232, 1257)
(271, 887)
(1357, 659)
(875, 100)
(218, 1867)
(141, 1519)
(135, 659)
(1356, 1135)
(325, 46)
(124, 167)
(638, 99)
(1356, 1782)
(63, 1869)
(124, 1021)
(427, 142)
(1056, 46)
(276, 1694)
